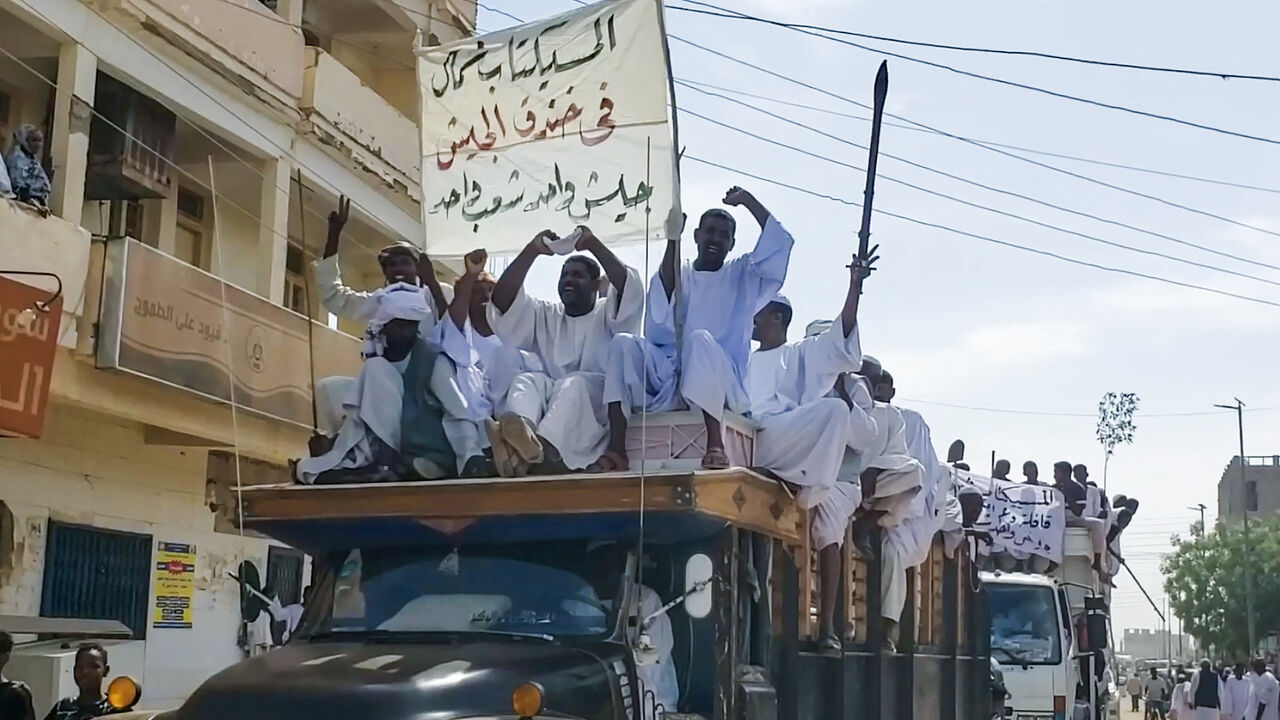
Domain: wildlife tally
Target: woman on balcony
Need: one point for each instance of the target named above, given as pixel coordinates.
(29, 180)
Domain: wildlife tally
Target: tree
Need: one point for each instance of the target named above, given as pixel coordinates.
(1204, 579)
(1115, 424)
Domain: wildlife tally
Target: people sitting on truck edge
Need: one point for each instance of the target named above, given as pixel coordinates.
(90, 670)
(15, 696)
(719, 299)
(393, 429)
(906, 543)
(467, 341)
(1075, 496)
(1031, 473)
(554, 417)
(1125, 507)
(27, 176)
(1264, 693)
(400, 262)
(1206, 694)
(887, 474)
(1000, 471)
(1237, 687)
(802, 429)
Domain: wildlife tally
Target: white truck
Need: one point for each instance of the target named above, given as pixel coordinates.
(1039, 635)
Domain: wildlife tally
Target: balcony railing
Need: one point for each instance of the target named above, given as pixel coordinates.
(350, 115)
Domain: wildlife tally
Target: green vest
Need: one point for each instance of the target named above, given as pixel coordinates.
(422, 415)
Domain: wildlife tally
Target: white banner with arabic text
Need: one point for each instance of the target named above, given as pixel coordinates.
(549, 125)
(1022, 519)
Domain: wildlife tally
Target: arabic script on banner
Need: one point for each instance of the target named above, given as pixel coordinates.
(554, 124)
(1022, 519)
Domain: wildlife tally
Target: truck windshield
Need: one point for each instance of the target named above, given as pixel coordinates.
(1024, 625)
(534, 590)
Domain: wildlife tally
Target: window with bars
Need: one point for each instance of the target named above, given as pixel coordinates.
(97, 574)
(284, 574)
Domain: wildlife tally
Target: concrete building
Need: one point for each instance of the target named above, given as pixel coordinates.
(1146, 643)
(192, 142)
(1258, 489)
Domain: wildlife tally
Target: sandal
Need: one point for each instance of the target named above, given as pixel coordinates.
(504, 459)
(715, 460)
(521, 438)
(830, 645)
(610, 461)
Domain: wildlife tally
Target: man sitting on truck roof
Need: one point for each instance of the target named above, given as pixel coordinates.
(393, 429)
(1031, 472)
(555, 418)
(718, 300)
(803, 430)
(400, 262)
(1075, 496)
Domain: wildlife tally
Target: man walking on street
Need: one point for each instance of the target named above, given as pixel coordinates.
(1134, 688)
(1156, 690)
(1238, 684)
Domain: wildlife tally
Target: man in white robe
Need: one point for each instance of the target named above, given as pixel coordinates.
(802, 431)
(371, 445)
(717, 302)
(555, 418)
(1264, 693)
(400, 262)
(1207, 695)
(1180, 701)
(1238, 685)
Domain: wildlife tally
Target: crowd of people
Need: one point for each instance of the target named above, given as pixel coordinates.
(483, 379)
(22, 174)
(1209, 693)
(90, 672)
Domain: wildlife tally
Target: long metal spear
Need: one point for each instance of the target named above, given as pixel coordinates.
(882, 89)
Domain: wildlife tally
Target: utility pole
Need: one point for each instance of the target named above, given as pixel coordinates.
(1244, 486)
(1201, 507)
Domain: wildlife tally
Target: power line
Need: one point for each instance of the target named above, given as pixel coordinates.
(1023, 53)
(987, 208)
(1002, 191)
(1011, 83)
(1020, 148)
(985, 238)
(1037, 163)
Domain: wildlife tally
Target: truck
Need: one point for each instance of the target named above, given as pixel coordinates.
(1043, 627)
(689, 595)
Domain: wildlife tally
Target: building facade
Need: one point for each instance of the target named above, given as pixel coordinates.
(196, 149)
(1256, 490)
(1145, 643)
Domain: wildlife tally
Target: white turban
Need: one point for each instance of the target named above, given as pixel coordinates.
(398, 301)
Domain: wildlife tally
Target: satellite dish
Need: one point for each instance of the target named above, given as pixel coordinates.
(955, 453)
(252, 603)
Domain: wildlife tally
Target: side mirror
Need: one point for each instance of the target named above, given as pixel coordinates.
(123, 693)
(698, 573)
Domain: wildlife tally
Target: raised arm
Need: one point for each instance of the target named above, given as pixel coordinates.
(508, 286)
(667, 270)
(613, 267)
(427, 276)
(859, 270)
(739, 197)
(337, 221)
(460, 308)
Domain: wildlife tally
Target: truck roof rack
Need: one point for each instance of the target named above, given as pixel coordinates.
(678, 506)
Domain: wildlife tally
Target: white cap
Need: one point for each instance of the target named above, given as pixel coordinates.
(781, 300)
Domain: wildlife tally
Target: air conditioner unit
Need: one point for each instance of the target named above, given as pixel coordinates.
(133, 164)
(47, 667)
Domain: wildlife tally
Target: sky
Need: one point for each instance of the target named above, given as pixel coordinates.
(964, 322)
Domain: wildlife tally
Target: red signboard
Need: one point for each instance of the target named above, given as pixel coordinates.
(28, 339)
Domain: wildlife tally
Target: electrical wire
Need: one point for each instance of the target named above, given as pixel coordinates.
(733, 14)
(984, 186)
(1020, 148)
(1023, 53)
(985, 238)
(987, 208)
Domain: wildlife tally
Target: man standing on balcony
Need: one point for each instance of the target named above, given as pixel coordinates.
(393, 427)
(555, 419)
(400, 262)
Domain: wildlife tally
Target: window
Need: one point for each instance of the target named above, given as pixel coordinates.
(295, 288)
(1024, 624)
(284, 574)
(97, 574)
(1251, 496)
(188, 243)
